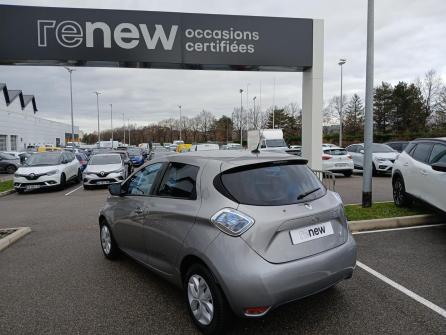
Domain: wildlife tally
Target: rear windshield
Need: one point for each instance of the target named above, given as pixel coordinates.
(271, 184)
(336, 152)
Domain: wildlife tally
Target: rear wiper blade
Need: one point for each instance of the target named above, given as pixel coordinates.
(305, 194)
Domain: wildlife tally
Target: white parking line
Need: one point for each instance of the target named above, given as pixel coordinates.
(404, 290)
(73, 190)
(401, 228)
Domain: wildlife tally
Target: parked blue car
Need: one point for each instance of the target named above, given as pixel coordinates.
(136, 156)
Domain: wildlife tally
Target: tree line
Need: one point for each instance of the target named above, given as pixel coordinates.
(403, 111)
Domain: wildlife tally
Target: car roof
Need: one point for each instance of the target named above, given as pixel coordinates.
(443, 139)
(229, 158)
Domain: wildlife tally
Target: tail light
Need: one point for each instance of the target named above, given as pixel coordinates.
(256, 311)
(326, 157)
(232, 222)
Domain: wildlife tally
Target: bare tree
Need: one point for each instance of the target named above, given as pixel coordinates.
(430, 87)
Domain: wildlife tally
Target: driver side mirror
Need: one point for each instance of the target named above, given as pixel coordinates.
(361, 151)
(441, 167)
(116, 189)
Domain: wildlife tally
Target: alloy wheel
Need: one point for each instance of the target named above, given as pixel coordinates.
(200, 299)
(106, 241)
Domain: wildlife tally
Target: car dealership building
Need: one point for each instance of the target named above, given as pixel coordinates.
(20, 127)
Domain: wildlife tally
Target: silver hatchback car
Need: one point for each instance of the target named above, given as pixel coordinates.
(239, 232)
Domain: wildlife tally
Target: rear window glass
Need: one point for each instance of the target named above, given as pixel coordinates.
(271, 184)
(336, 152)
(438, 154)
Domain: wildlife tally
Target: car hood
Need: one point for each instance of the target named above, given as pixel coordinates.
(105, 168)
(26, 170)
(388, 155)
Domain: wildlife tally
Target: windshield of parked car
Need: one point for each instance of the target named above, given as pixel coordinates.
(160, 149)
(271, 184)
(275, 143)
(42, 159)
(381, 148)
(105, 159)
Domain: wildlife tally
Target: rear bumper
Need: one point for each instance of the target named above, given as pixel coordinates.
(250, 281)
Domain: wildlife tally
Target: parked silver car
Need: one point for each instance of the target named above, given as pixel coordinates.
(8, 163)
(237, 231)
(104, 169)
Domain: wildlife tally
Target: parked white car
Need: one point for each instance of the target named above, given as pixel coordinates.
(383, 157)
(104, 169)
(420, 172)
(337, 160)
(47, 169)
(204, 147)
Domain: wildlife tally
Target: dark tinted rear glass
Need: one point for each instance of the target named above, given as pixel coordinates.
(336, 152)
(272, 184)
(438, 154)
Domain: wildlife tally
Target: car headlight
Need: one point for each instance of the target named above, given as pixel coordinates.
(232, 222)
(18, 175)
(118, 171)
(381, 159)
(52, 172)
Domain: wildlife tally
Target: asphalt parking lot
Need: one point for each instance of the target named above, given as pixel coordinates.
(350, 188)
(56, 281)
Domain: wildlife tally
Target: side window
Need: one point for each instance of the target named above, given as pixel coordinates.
(438, 154)
(422, 151)
(351, 148)
(179, 181)
(409, 148)
(142, 181)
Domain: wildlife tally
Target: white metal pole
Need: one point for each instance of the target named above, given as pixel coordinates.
(274, 101)
(123, 125)
(241, 117)
(128, 123)
(70, 71)
(99, 130)
(180, 121)
(111, 122)
(368, 119)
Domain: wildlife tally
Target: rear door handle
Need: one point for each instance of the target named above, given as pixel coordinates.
(406, 164)
(139, 211)
(424, 173)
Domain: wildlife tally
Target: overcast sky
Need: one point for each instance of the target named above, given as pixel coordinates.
(410, 38)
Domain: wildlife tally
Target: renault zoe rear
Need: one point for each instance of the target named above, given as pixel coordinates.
(239, 232)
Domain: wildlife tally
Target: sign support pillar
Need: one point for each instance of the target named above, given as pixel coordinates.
(312, 101)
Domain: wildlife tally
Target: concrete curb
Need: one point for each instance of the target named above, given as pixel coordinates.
(2, 194)
(403, 221)
(11, 238)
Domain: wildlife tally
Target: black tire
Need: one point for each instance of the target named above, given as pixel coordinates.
(11, 169)
(78, 177)
(348, 173)
(111, 251)
(400, 197)
(20, 191)
(63, 181)
(221, 312)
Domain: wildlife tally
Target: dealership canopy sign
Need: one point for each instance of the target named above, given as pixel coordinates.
(44, 35)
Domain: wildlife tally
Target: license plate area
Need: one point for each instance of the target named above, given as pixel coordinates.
(32, 187)
(310, 233)
(102, 182)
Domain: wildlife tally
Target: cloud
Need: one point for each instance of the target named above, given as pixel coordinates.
(409, 38)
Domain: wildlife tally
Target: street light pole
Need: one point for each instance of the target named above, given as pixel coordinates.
(70, 71)
(180, 121)
(111, 122)
(254, 109)
(97, 105)
(368, 118)
(128, 122)
(241, 117)
(123, 125)
(342, 61)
